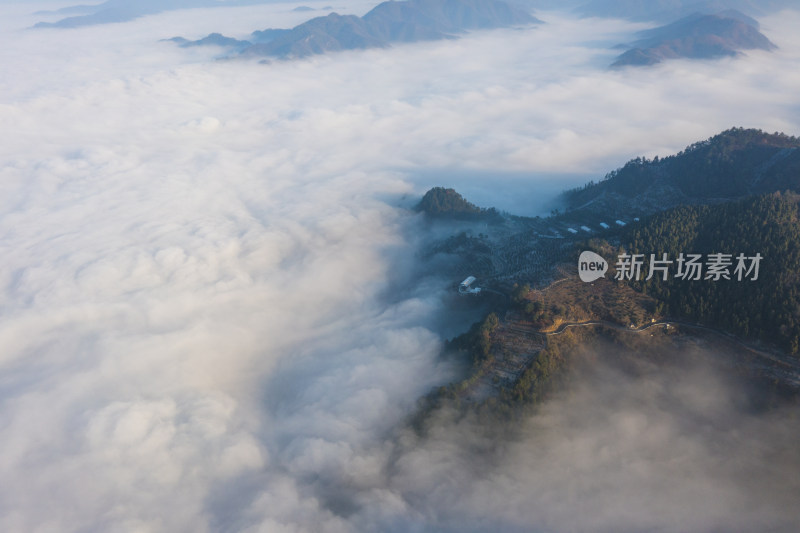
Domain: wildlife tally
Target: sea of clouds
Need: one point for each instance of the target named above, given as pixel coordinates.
(200, 321)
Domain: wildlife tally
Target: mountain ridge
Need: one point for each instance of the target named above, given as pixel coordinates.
(730, 165)
(697, 36)
(387, 23)
(669, 10)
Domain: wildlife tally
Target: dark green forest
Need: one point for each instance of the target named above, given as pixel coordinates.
(440, 202)
(767, 308)
(733, 164)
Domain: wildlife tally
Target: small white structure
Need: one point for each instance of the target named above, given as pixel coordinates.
(604, 225)
(620, 223)
(466, 286)
(574, 231)
(587, 229)
(636, 219)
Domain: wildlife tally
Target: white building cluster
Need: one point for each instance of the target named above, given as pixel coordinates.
(465, 287)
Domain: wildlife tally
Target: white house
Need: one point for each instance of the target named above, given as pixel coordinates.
(465, 287)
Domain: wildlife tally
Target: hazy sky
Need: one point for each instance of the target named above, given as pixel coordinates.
(196, 310)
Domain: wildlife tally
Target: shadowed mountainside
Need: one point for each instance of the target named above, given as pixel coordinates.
(697, 37)
(390, 22)
(731, 165)
(124, 10)
(668, 10)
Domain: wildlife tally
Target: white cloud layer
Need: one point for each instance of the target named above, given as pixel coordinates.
(196, 254)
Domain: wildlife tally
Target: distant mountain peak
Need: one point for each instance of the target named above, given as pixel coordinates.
(387, 23)
(697, 36)
(114, 11)
(669, 10)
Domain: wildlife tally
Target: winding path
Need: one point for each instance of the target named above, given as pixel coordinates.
(781, 359)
